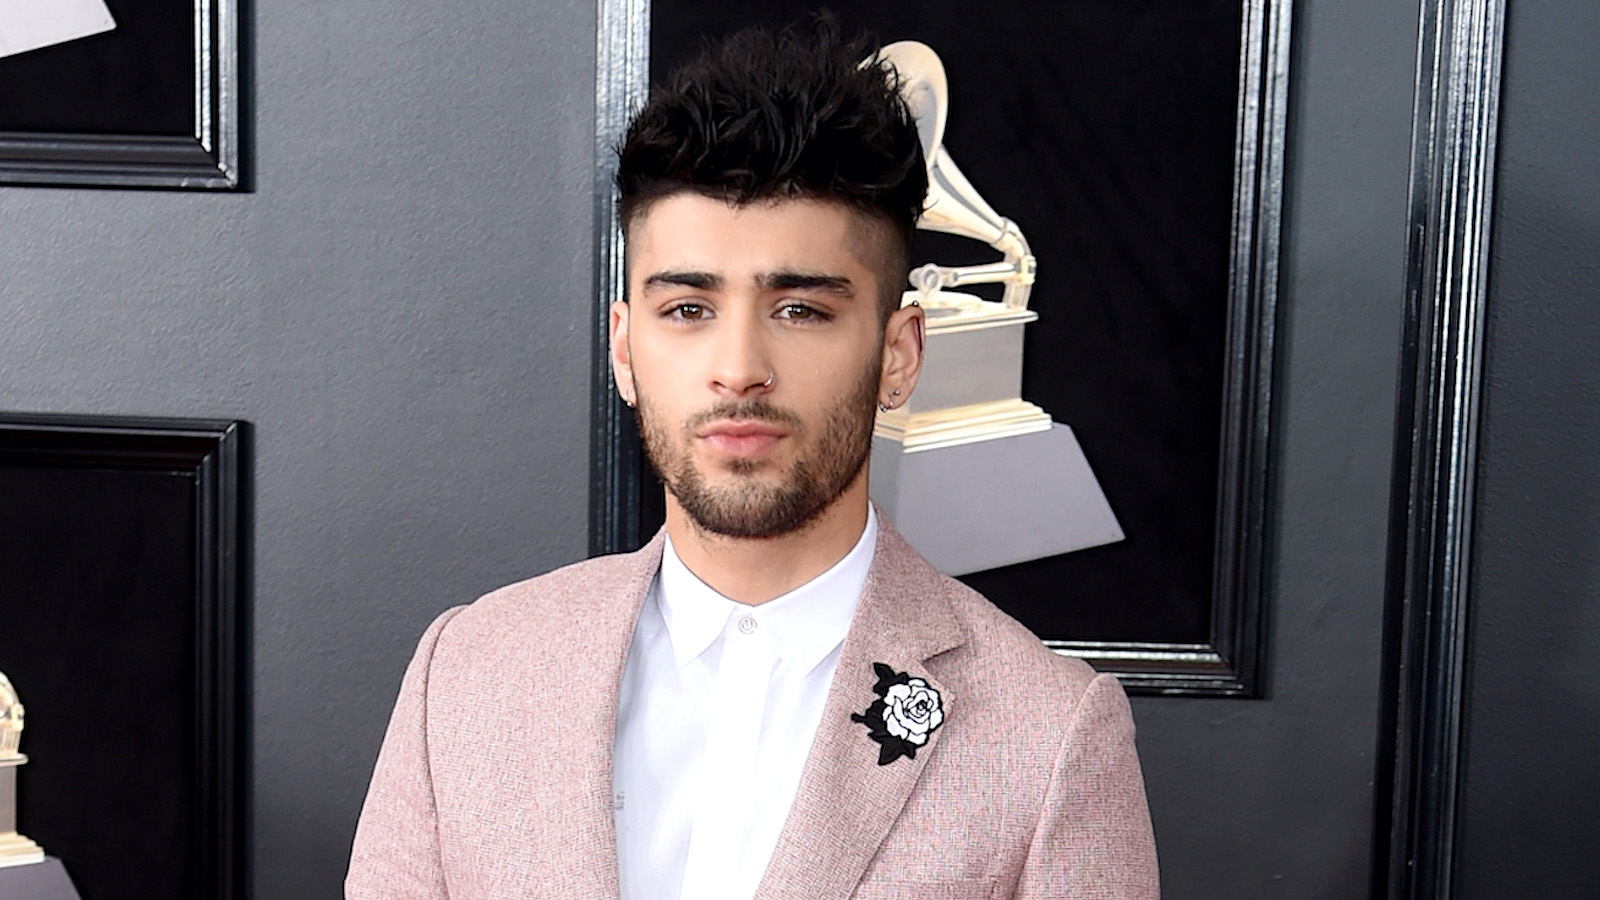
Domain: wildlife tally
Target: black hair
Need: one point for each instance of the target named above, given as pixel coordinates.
(792, 115)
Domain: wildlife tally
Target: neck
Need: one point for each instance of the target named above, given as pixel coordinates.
(755, 570)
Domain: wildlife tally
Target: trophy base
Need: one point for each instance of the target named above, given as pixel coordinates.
(16, 850)
(972, 358)
(976, 506)
(45, 881)
(915, 431)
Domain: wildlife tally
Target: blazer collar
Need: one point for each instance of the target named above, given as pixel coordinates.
(846, 803)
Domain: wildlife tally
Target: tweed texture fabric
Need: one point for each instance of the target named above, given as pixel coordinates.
(494, 780)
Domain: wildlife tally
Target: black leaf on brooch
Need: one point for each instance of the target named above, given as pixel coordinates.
(906, 712)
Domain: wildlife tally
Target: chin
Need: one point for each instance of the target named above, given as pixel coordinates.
(744, 468)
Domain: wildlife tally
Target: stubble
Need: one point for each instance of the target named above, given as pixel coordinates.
(747, 506)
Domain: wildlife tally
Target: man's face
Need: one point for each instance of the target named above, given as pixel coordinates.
(753, 347)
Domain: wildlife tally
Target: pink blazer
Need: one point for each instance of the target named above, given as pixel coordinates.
(494, 780)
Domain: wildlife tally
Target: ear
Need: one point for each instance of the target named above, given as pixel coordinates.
(621, 356)
(902, 355)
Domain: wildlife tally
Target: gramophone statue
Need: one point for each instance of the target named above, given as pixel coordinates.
(24, 869)
(15, 850)
(974, 476)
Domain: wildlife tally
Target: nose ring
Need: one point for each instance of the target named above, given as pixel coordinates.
(770, 375)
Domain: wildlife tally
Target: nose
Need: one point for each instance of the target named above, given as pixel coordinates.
(742, 364)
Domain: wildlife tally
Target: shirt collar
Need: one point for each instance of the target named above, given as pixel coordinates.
(805, 625)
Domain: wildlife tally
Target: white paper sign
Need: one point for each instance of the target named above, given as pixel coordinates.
(30, 24)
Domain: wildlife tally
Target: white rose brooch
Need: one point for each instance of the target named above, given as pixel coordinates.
(906, 712)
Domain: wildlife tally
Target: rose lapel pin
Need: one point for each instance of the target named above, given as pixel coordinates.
(906, 712)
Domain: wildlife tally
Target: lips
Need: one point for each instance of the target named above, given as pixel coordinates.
(741, 438)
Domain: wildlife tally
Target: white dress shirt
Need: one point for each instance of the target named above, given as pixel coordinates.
(718, 706)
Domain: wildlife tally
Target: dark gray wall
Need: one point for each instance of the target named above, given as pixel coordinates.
(401, 307)
(1532, 752)
(1273, 797)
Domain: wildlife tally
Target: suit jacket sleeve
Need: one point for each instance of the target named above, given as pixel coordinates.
(1094, 840)
(396, 852)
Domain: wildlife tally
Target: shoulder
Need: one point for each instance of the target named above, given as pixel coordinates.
(1017, 714)
(562, 590)
(1004, 656)
(595, 594)
(1023, 709)
(997, 660)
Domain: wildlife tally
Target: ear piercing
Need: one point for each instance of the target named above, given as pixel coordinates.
(885, 407)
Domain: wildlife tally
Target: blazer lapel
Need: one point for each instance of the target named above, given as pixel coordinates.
(846, 802)
(586, 839)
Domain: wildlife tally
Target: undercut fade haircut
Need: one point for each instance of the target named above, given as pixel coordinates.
(792, 116)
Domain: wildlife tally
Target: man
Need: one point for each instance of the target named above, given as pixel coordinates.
(776, 697)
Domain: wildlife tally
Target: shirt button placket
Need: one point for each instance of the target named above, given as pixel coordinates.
(738, 705)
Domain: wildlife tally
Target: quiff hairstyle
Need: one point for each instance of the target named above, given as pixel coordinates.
(792, 116)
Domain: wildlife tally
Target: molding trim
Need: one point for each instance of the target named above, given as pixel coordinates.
(1455, 116)
(1230, 663)
(1239, 586)
(622, 78)
(206, 159)
(212, 454)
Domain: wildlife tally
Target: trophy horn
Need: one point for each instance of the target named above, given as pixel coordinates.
(953, 205)
(965, 447)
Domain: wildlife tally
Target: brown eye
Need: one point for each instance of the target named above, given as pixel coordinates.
(800, 312)
(689, 311)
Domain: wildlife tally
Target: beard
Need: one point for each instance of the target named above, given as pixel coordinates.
(824, 465)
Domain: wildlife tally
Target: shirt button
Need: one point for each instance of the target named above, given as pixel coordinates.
(747, 625)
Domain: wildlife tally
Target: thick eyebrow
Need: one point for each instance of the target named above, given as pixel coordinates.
(804, 281)
(700, 281)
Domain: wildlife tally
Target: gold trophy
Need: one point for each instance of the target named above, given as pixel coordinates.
(974, 476)
(15, 850)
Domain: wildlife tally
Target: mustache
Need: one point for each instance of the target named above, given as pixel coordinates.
(756, 409)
